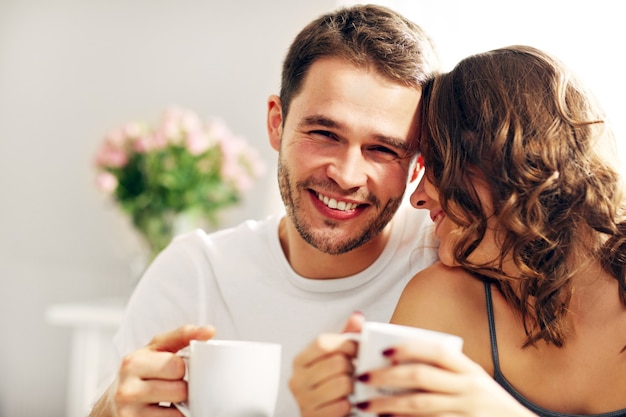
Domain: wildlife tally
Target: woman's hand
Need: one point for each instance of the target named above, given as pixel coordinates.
(439, 381)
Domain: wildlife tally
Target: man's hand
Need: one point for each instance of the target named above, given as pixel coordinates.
(322, 373)
(151, 375)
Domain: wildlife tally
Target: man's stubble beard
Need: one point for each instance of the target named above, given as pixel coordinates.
(326, 242)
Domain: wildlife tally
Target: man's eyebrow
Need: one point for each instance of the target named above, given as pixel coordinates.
(394, 142)
(319, 120)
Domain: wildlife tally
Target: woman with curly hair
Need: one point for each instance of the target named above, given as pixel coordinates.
(522, 182)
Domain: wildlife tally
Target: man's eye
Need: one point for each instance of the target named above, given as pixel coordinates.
(324, 133)
(385, 151)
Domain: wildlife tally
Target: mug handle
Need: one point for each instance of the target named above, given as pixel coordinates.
(355, 337)
(183, 406)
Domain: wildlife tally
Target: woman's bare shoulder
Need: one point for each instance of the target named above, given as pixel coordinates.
(439, 280)
(444, 299)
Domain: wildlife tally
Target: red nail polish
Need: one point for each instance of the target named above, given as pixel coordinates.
(389, 352)
(362, 405)
(363, 377)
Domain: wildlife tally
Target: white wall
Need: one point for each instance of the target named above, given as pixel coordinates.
(69, 71)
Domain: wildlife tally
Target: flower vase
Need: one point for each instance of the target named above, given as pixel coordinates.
(158, 230)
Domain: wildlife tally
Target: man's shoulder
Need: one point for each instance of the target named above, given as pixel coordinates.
(243, 232)
(246, 239)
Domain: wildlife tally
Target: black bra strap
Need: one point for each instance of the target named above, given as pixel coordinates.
(492, 329)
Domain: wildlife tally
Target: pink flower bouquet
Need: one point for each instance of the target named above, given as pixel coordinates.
(182, 165)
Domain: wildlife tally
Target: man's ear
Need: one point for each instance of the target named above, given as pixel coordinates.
(418, 164)
(415, 171)
(274, 121)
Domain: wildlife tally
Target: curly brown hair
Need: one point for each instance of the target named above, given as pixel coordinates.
(365, 35)
(519, 121)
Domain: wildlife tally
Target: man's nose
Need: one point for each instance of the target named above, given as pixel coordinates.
(349, 170)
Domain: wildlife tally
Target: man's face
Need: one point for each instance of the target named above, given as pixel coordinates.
(344, 154)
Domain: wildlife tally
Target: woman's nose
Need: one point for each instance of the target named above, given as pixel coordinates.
(418, 198)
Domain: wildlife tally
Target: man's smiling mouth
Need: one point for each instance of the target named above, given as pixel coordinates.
(336, 205)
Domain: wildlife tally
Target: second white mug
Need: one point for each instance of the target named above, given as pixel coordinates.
(376, 337)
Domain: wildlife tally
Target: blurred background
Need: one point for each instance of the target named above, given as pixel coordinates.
(71, 70)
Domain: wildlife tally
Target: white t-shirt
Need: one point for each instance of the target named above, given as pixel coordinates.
(239, 281)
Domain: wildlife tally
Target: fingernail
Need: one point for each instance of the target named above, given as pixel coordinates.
(362, 405)
(363, 377)
(389, 352)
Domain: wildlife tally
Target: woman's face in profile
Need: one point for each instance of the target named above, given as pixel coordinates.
(448, 232)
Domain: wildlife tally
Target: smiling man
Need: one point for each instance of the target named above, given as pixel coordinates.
(345, 152)
(345, 127)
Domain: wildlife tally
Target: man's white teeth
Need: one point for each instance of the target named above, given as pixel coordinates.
(333, 204)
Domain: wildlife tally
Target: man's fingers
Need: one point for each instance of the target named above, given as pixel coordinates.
(355, 323)
(322, 376)
(331, 390)
(139, 391)
(177, 339)
(327, 398)
(339, 408)
(320, 371)
(323, 346)
(158, 411)
(148, 364)
(157, 361)
(151, 410)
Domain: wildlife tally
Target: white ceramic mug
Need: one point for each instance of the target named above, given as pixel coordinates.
(229, 378)
(375, 338)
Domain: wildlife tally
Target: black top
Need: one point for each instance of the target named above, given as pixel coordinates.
(501, 379)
